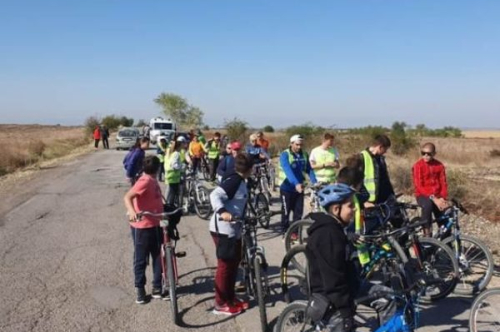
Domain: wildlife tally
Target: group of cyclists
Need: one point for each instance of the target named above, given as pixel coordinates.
(345, 191)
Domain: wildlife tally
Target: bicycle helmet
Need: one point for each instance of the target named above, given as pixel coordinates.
(334, 194)
(181, 139)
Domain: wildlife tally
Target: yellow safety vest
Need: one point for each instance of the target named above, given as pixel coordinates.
(359, 228)
(213, 150)
(369, 181)
(325, 175)
(281, 173)
(171, 175)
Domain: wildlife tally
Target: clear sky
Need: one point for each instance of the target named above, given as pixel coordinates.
(342, 63)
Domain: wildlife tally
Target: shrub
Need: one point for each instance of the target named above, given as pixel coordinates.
(141, 123)
(236, 129)
(307, 130)
(402, 142)
(457, 184)
(401, 178)
(36, 148)
(370, 131)
(90, 124)
(495, 153)
(268, 129)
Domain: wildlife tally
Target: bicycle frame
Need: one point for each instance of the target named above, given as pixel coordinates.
(450, 224)
(251, 252)
(168, 243)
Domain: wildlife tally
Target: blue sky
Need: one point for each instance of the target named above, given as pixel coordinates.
(339, 63)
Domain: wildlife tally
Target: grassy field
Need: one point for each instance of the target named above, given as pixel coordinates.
(26, 145)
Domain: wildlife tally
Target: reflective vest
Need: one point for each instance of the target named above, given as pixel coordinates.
(321, 156)
(359, 228)
(213, 150)
(183, 156)
(303, 157)
(171, 175)
(369, 180)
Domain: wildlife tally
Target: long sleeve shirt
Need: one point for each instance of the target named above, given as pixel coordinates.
(429, 178)
(295, 175)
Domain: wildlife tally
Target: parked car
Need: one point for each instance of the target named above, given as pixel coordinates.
(126, 138)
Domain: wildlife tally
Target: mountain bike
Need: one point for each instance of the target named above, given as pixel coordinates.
(194, 196)
(169, 272)
(258, 206)
(484, 314)
(261, 180)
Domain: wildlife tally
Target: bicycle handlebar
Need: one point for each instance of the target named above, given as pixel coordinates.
(158, 215)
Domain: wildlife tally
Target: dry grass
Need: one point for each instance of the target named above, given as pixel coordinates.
(481, 133)
(25, 145)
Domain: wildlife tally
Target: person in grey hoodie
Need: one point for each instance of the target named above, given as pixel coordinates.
(228, 201)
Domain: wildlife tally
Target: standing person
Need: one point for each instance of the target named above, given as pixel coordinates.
(226, 165)
(294, 165)
(431, 188)
(160, 153)
(146, 195)
(97, 136)
(201, 137)
(255, 151)
(228, 201)
(133, 164)
(213, 147)
(325, 160)
(105, 136)
(196, 152)
(262, 141)
(173, 169)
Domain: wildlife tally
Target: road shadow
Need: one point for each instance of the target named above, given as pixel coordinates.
(443, 313)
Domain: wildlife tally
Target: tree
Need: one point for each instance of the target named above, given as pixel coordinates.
(179, 110)
(401, 141)
(90, 124)
(268, 129)
(236, 129)
(126, 122)
(141, 123)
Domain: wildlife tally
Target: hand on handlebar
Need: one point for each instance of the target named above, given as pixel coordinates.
(226, 216)
(134, 217)
(299, 188)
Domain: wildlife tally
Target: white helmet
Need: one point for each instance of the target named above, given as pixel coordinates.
(181, 139)
(296, 138)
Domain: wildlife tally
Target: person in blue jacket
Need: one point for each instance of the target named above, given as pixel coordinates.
(226, 165)
(133, 160)
(294, 165)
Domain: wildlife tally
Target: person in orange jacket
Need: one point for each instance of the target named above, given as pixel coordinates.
(97, 136)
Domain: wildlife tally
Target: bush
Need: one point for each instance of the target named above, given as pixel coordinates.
(141, 123)
(402, 142)
(36, 149)
(268, 129)
(307, 130)
(370, 131)
(401, 178)
(206, 127)
(90, 124)
(457, 184)
(495, 153)
(236, 129)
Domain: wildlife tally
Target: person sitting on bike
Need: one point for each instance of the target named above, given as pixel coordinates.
(173, 169)
(262, 141)
(333, 275)
(213, 147)
(293, 167)
(229, 201)
(431, 188)
(146, 195)
(226, 165)
(325, 160)
(257, 153)
(196, 152)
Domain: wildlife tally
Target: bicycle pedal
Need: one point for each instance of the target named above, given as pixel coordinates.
(180, 254)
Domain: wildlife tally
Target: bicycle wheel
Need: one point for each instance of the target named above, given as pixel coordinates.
(262, 210)
(206, 171)
(293, 280)
(296, 234)
(202, 205)
(484, 314)
(172, 285)
(439, 263)
(475, 264)
(293, 318)
(261, 290)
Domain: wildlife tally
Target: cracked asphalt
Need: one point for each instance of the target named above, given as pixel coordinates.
(66, 261)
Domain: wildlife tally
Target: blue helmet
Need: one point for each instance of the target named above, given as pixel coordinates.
(334, 194)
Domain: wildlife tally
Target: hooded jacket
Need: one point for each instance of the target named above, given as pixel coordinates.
(332, 273)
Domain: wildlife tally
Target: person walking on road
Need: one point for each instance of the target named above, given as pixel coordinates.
(105, 136)
(213, 147)
(325, 160)
(228, 201)
(97, 136)
(146, 195)
(431, 188)
(294, 165)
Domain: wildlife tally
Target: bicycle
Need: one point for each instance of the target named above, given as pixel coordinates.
(205, 168)
(194, 196)
(261, 178)
(254, 266)
(169, 272)
(258, 206)
(474, 259)
(484, 311)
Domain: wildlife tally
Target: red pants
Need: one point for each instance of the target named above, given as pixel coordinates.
(225, 276)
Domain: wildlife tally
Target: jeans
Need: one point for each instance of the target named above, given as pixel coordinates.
(291, 201)
(147, 242)
(173, 193)
(214, 163)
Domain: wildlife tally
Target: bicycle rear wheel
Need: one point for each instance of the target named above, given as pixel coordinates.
(170, 258)
(293, 318)
(293, 280)
(261, 290)
(484, 313)
(475, 264)
(262, 210)
(202, 204)
(297, 233)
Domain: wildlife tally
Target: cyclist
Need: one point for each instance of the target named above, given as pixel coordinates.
(133, 160)
(228, 201)
(196, 152)
(160, 153)
(227, 164)
(256, 152)
(294, 164)
(333, 275)
(146, 195)
(431, 189)
(173, 169)
(325, 160)
(262, 141)
(213, 147)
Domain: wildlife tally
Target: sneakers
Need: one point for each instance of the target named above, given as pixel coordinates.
(243, 305)
(157, 293)
(141, 296)
(227, 310)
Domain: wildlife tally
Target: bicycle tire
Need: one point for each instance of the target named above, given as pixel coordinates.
(206, 172)
(294, 313)
(202, 206)
(476, 306)
(260, 289)
(174, 310)
(262, 210)
(285, 273)
(447, 258)
(299, 227)
(463, 287)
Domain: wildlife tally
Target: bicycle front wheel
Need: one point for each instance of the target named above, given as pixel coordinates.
(262, 210)
(202, 205)
(293, 319)
(293, 279)
(297, 233)
(261, 290)
(475, 264)
(206, 172)
(485, 310)
(172, 285)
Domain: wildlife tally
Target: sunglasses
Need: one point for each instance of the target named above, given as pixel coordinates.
(425, 153)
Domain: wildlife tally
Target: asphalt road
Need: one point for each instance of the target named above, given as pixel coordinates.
(66, 261)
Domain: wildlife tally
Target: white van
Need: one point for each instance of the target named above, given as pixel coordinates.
(160, 127)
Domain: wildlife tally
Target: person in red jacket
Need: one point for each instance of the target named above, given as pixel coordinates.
(431, 189)
(97, 136)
